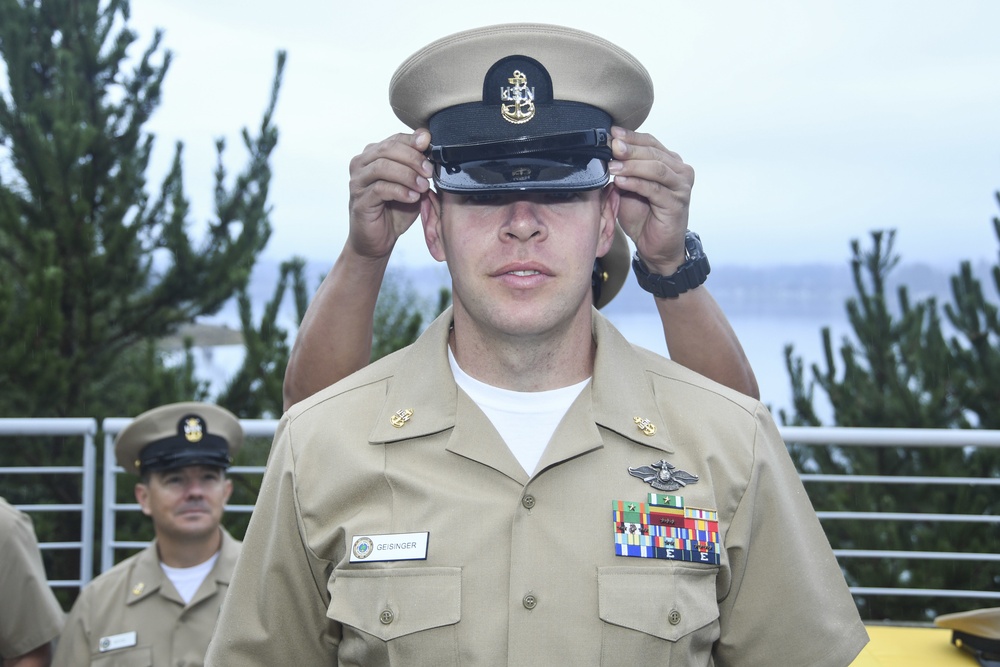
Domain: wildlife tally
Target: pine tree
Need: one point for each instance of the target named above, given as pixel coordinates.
(92, 267)
(401, 315)
(901, 370)
(976, 350)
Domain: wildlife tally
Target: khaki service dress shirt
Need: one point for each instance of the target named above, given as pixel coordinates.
(524, 570)
(30, 615)
(132, 616)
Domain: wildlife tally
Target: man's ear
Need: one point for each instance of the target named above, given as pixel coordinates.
(142, 497)
(430, 217)
(610, 201)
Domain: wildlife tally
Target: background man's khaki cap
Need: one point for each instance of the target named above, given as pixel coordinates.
(178, 435)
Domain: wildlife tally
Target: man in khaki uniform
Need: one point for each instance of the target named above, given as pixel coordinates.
(522, 486)
(160, 606)
(30, 615)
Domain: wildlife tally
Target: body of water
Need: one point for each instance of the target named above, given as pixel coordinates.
(764, 339)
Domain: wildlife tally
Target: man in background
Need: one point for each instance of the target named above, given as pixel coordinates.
(159, 607)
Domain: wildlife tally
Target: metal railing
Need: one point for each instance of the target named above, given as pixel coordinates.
(821, 436)
(906, 438)
(86, 429)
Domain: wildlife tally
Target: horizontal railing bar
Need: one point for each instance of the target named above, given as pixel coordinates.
(242, 509)
(64, 583)
(10, 426)
(889, 437)
(34, 470)
(823, 435)
(75, 507)
(44, 546)
(259, 470)
(129, 544)
(259, 428)
(902, 516)
(247, 470)
(915, 555)
(889, 479)
(925, 592)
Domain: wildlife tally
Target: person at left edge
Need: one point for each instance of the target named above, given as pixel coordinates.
(159, 607)
(30, 615)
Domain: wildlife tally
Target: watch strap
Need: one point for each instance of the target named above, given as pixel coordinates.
(692, 273)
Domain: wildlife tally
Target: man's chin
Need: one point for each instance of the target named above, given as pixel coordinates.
(196, 524)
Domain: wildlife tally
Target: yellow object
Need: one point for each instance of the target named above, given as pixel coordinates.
(893, 646)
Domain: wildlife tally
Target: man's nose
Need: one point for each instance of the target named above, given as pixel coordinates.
(195, 487)
(524, 221)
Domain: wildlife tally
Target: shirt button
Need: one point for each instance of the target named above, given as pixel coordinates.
(674, 617)
(528, 502)
(529, 601)
(386, 617)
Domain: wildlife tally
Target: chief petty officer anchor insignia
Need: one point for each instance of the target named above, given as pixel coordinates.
(663, 527)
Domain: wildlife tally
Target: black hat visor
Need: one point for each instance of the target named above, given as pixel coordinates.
(564, 161)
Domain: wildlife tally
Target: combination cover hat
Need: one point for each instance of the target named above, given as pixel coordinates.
(521, 106)
(178, 435)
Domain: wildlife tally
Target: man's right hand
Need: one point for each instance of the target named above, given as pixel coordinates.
(388, 180)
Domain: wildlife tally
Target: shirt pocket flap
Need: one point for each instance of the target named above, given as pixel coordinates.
(391, 603)
(134, 657)
(665, 602)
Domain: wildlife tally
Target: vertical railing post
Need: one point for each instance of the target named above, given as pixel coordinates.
(88, 513)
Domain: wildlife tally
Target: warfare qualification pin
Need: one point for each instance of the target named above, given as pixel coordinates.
(663, 476)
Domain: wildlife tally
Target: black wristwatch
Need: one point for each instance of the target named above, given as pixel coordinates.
(692, 273)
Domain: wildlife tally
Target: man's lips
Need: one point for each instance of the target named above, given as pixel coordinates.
(522, 277)
(522, 270)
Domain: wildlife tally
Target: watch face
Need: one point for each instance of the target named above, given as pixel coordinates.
(692, 245)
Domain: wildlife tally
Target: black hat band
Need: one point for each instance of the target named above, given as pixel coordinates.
(589, 143)
(192, 444)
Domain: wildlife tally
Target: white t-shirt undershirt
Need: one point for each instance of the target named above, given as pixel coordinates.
(187, 580)
(525, 420)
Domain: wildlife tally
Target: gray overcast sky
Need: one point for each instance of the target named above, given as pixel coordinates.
(808, 123)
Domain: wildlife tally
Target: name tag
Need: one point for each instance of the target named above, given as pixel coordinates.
(398, 546)
(112, 642)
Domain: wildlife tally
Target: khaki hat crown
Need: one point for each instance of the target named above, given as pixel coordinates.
(583, 67)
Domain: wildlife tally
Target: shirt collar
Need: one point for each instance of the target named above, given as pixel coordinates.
(422, 382)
